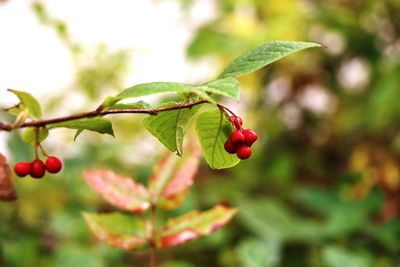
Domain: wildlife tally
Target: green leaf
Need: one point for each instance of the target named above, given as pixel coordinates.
(159, 88)
(173, 176)
(29, 135)
(97, 124)
(27, 101)
(136, 105)
(228, 87)
(122, 192)
(262, 56)
(257, 253)
(213, 129)
(118, 230)
(335, 256)
(109, 101)
(78, 133)
(270, 219)
(194, 225)
(169, 126)
(72, 255)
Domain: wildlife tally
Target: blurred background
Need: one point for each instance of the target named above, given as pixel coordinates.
(323, 188)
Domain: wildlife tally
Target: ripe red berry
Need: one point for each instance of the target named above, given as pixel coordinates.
(237, 121)
(243, 152)
(237, 137)
(53, 164)
(22, 169)
(230, 147)
(250, 136)
(37, 169)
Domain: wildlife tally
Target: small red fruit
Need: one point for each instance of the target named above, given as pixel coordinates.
(230, 147)
(243, 152)
(237, 121)
(237, 137)
(250, 136)
(37, 169)
(22, 169)
(53, 164)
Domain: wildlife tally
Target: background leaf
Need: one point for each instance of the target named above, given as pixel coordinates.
(29, 102)
(262, 56)
(29, 135)
(256, 253)
(173, 176)
(213, 129)
(118, 230)
(194, 225)
(272, 220)
(335, 256)
(122, 192)
(97, 124)
(169, 126)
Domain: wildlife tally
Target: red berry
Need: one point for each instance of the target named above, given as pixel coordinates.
(237, 121)
(243, 152)
(230, 147)
(37, 169)
(22, 169)
(237, 137)
(250, 136)
(53, 164)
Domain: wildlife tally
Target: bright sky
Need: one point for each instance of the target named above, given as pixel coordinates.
(32, 58)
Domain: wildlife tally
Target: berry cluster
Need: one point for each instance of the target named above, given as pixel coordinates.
(37, 168)
(240, 141)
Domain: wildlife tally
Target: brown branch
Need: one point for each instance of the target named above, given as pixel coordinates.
(99, 112)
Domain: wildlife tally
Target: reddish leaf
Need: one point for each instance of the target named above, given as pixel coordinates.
(7, 190)
(118, 230)
(122, 192)
(173, 176)
(194, 225)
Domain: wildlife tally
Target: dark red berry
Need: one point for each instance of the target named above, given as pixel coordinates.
(250, 136)
(38, 168)
(22, 169)
(237, 137)
(237, 121)
(243, 152)
(230, 147)
(53, 164)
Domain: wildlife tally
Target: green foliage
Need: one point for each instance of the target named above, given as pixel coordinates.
(136, 105)
(120, 191)
(118, 230)
(173, 176)
(336, 257)
(255, 253)
(32, 135)
(170, 126)
(168, 186)
(193, 225)
(262, 56)
(213, 129)
(317, 190)
(97, 124)
(161, 88)
(227, 87)
(27, 101)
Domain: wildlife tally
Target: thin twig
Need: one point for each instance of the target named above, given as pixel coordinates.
(97, 112)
